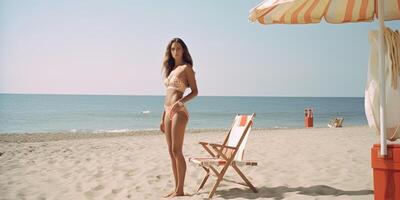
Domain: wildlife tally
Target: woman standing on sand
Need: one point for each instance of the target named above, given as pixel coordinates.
(178, 74)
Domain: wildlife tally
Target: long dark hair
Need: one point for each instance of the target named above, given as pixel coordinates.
(169, 61)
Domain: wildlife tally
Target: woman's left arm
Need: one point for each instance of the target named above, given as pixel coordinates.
(192, 84)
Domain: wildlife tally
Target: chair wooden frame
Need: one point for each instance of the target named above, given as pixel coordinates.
(226, 154)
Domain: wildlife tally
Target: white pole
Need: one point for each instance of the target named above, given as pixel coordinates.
(382, 77)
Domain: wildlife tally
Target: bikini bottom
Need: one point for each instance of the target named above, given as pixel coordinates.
(170, 113)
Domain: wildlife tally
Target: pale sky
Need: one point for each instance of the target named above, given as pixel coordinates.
(117, 46)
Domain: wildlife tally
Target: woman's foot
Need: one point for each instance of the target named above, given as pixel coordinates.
(177, 194)
(169, 194)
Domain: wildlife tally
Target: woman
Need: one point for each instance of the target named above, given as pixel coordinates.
(178, 74)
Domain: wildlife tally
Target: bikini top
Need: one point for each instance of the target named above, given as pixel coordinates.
(174, 82)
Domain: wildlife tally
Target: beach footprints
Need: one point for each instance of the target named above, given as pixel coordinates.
(113, 194)
(99, 174)
(130, 173)
(52, 161)
(98, 188)
(94, 191)
(66, 150)
(78, 187)
(116, 190)
(156, 178)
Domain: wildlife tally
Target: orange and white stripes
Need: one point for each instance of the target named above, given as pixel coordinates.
(342, 11)
(392, 9)
(312, 11)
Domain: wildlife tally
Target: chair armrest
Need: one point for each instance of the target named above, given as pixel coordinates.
(203, 143)
(220, 145)
(217, 145)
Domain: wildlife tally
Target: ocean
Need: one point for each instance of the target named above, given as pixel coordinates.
(33, 113)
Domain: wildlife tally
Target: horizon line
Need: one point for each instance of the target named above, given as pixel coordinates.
(76, 94)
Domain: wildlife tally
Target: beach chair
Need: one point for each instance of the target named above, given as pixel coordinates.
(335, 123)
(228, 154)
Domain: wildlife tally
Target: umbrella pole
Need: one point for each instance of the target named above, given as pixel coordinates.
(382, 77)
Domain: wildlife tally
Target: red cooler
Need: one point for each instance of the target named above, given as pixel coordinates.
(308, 118)
(308, 122)
(386, 172)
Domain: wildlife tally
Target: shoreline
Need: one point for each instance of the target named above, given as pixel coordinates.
(57, 136)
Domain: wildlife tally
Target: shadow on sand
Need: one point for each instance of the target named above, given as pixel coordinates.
(279, 192)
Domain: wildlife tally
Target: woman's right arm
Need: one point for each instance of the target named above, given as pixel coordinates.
(164, 75)
(163, 115)
(162, 124)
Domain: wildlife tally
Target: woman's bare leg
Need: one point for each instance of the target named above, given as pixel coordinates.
(167, 123)
(179, 122)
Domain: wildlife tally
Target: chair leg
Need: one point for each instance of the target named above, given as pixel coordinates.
(215, 171)
(220, 176)
(204, 179)
(244, 178)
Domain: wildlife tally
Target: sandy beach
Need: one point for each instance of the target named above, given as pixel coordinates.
(317, 163)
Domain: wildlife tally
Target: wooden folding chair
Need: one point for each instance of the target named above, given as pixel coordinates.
(229, 153)
(335, 123)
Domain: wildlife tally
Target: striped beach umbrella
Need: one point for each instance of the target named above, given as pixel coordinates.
(312, 11)
(337, 12)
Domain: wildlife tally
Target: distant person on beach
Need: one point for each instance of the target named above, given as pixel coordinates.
(178, 74)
